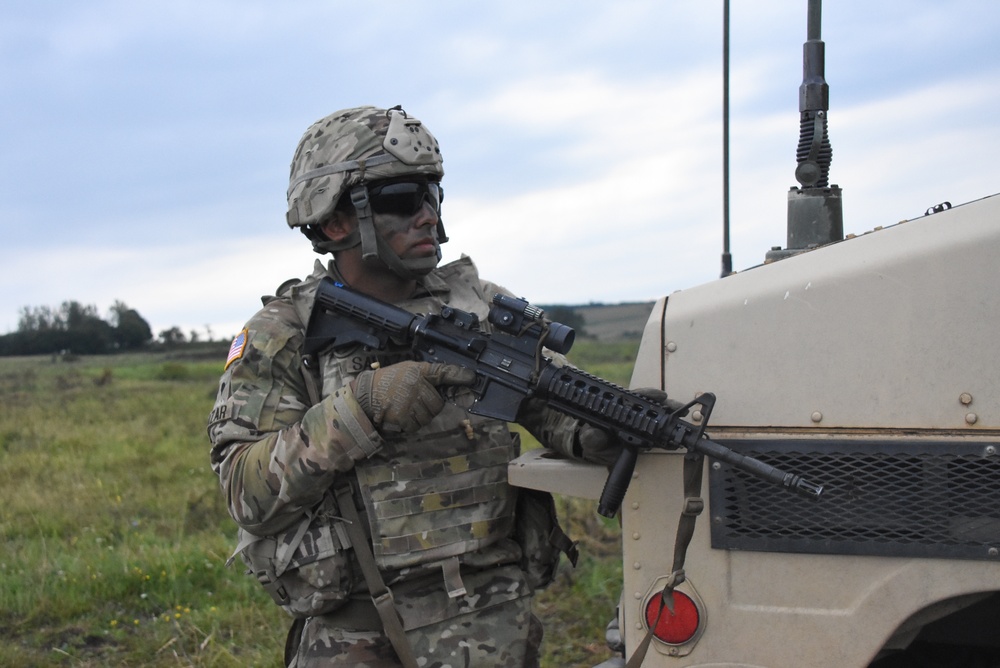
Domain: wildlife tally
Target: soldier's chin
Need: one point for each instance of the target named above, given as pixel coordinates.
(421, 266)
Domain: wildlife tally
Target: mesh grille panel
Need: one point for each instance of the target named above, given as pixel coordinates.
(914, 500)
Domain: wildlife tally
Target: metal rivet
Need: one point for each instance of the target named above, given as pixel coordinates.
(636, 536)
(990, 450)
(716, 466)
(635, 505)
(971, 418)
(671, 347)
(994, 552)
(816, 416)
(965, 398)
(638, 595)
(637, 565)
(696, 416)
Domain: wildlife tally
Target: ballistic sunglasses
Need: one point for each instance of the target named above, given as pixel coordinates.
(404, 198)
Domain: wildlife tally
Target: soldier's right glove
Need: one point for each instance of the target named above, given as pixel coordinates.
(403, 397)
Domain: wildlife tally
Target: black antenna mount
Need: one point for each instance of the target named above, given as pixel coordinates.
(815, 211)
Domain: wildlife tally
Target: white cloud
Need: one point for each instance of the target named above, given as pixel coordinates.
(184, 285)
(582, 139)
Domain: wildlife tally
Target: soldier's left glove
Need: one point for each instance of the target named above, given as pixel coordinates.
(660, 397)
(596, 445)
(601, 447)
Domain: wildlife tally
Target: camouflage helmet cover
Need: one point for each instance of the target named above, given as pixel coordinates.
(352, 146)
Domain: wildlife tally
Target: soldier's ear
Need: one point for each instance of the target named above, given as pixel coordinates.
(339, 225)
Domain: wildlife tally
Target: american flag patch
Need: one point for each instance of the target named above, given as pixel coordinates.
(236, 350)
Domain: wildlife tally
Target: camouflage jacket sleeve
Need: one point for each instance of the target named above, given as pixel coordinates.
(274, 452)
(554, 430)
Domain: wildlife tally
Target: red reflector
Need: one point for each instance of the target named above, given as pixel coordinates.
(673, 628)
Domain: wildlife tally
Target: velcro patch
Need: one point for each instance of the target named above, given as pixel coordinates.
(239, 345)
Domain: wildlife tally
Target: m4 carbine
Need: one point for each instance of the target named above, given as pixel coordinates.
(511, 367)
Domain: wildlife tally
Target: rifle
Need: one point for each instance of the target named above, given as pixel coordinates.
(510, 367)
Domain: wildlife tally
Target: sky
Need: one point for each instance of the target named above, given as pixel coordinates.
(146, 145)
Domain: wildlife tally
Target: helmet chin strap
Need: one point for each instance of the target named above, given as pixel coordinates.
(408, 269)
(366, 222)
(375, 249)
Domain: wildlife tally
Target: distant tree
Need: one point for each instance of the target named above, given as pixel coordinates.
(73, 327)
(39, 319)
(78, 316)
(131, 331)
(76, 328)
(566, 315)
(91, 336)
(172, 336)
(16, 343)
(28, 320)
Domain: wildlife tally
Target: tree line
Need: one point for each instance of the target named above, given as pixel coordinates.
(77, 329)
(74, 328)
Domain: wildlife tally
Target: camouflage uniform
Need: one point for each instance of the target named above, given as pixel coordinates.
(436, 502)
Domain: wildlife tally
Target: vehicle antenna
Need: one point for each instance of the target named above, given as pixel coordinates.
(815, 211)
(727, 258)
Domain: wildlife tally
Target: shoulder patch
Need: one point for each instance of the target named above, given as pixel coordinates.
(237, 348)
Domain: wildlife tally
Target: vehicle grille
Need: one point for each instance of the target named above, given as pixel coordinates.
(913, 499)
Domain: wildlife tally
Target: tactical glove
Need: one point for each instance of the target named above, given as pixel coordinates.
(403, 397)
(601, 447)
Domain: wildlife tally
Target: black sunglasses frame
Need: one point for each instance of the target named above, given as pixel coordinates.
(404, 198)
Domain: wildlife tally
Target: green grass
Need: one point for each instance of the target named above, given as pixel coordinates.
(611, 360)
(114, 536)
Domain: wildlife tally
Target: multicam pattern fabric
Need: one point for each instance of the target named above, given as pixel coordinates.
(307, 569)
(433, 498)
(492, 626)
(278, 455)
(354, 145)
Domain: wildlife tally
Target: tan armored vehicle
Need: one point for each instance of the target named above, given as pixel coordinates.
(869, 365)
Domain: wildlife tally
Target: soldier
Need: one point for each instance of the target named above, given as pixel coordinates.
(349, 475)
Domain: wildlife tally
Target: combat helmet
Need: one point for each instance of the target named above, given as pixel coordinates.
(340, 156)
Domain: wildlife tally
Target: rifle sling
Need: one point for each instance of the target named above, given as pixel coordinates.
(693, 505)
(381, 594)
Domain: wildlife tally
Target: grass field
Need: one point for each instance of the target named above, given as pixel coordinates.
(114, 534)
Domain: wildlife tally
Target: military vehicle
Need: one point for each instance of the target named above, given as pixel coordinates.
(869, 365)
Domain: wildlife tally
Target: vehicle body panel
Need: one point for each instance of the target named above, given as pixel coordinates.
(883, 343)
